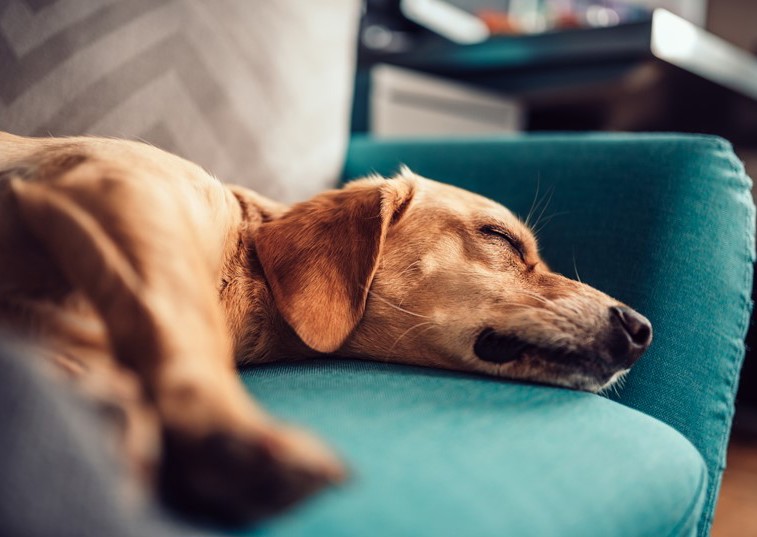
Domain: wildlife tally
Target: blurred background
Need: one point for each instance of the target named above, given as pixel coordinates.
(559, 65)
(471, 67)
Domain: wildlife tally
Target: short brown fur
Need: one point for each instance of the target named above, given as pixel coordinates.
(148, 281)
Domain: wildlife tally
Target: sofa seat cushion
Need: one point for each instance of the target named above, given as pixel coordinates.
(438, 453)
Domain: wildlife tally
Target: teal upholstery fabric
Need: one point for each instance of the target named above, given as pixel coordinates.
(442, 454)
(664, 223)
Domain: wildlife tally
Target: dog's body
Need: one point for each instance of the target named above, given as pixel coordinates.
(137, 269)
(128, 267)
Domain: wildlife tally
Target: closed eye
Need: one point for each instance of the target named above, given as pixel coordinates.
(501, 234)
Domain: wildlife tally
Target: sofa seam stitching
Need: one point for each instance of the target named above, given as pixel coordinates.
(711, 497)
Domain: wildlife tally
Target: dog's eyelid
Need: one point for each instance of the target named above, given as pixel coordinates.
(502, 233)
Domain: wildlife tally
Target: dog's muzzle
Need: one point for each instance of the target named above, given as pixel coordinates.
(625, 338)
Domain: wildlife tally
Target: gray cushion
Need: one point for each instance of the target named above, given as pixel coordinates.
(256, 92)
(58, 476)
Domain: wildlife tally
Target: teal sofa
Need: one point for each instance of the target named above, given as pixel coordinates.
(664, 223)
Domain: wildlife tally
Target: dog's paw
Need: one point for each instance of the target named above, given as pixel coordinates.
(232, 479)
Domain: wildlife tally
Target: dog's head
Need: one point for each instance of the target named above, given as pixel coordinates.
(418, 272)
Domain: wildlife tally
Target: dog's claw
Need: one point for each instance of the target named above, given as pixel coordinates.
(233, 480)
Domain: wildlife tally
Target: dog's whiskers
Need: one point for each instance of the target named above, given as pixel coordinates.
(411, 265)
(547, 220)
(533, 202)
(548, 197)
(406, 332)
(395, 306)
(535, 296)
(575, 268)
(616, 387)
(401, 274)
(621, 382)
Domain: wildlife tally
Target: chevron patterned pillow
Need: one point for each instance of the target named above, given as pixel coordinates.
(256, 92)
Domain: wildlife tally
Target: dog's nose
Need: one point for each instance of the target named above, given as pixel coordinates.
(638, 327)
(633, 334)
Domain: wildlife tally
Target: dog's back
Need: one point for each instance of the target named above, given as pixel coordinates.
(37, 299)
(113, 255)
(37, 303)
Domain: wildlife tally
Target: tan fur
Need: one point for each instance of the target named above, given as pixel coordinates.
(119, 256)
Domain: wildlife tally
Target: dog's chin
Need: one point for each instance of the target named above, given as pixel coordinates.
(614, 379)
(586, 382)
(557, 367)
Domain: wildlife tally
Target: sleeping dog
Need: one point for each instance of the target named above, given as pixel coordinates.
(147, 281)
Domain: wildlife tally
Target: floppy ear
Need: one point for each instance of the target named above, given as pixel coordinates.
(321, 256)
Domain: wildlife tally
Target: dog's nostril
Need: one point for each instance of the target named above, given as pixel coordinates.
(638, 328)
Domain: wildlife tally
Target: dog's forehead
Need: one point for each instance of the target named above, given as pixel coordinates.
(462, 202)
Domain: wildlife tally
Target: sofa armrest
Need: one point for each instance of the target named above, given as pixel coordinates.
(663, 222)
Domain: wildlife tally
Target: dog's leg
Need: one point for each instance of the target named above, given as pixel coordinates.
(129, 246)
(135, 430)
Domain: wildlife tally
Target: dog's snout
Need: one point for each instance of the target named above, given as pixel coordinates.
(633, 333)
(635, 324)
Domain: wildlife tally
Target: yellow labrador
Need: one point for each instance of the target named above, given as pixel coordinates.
(148, 280)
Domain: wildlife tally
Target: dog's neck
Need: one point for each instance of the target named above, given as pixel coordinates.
(258, 330)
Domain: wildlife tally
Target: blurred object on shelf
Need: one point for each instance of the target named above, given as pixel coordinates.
(692, 10)
(396, 26)
(473, 21)
(445, 19)
(535, 16)
(405, 104)
(498, 22)
(384, 29)
(658, 74)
